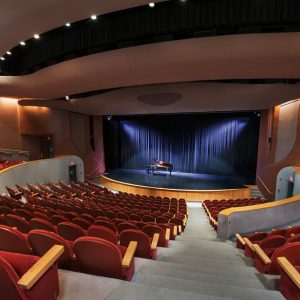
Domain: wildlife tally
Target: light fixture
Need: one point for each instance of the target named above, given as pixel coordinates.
(93, 17)
(108, 118)
(2, 58)
(68, 24)
(36, 36)
(67, 98)
(151, 4)
(22, 43)
(8, 52)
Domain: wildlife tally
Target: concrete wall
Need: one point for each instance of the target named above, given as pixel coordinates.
(41, 171)
(259, 217)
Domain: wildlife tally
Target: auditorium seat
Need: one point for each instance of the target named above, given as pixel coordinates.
(161, 219)
(37, 223)
(41, 215)
(103, 233)
(267, 265)
(88, 218)
(16, 284)
(56, 219)
(146, 247)
(70, 231)
(16, 221)
(6, 210)
(289, 283)
(12, 240)
(83, 223)
(41, 241)
(164, 235)
(173, 229)
(100, 257)
(126, 225)
(148, 218)
(106, 223)
(24, 213)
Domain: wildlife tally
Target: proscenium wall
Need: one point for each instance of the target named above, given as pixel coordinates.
(275, 127)
(19, 125)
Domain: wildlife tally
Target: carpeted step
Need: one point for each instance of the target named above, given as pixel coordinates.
(204, 288)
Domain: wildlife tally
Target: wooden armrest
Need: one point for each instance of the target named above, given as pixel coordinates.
(73, 195)
(290, 270)
(179, 228)
(17, 193)
(40, 267)
(241, 240)
(154, 241)
(273, 229)
(83, 193)
(260, 252)
(289, 226)
(93, 192)
(175, 230)
(248, 243)
(292, 234)
(34, 194)
(168, 233)
(129, 255)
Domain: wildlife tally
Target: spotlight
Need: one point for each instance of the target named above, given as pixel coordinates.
(108, 118)
(36, 36)
(8, 52)
(67, 98)
(2, 58)
(22, 43)
(93, 17)
(68, 24)
(151, 4)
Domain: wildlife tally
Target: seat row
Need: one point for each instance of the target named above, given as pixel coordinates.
(276, 253)
(4, 164)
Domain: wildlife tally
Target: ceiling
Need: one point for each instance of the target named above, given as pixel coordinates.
(155, 70)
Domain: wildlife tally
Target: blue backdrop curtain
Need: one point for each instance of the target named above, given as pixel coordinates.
(204, 143)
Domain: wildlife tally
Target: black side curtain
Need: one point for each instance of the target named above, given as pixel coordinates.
(224, 144)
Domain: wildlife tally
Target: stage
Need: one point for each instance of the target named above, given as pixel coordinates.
(195, 187)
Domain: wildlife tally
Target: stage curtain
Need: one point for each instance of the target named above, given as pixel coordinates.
(224, 144)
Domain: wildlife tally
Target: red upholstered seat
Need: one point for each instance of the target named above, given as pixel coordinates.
(41, 241)
(41, 215)
(12, 240)
(162, 220)
(13, 266)
(103, 233)
(18, 222)
(281, 232)
(287, 287)
(294, 239)
(171, 227)
(271, 243)
(56, 219)
(294, 230)
(144, 243)
(83, 223)
(37, 223)
(290, 251)
(106, 223)
(148, 218)
(126, 225)
(88, 218)
(24, 213)
(100, 257)
(255, 239)
(70, 231)
(151, 229)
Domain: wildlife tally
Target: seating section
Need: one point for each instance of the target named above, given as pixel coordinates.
(89, 221)
(4, 164)
(276, 253)
(213, 207)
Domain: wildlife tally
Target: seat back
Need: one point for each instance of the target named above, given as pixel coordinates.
(162, 220)
(41, 241)
(257, 236)
(148, 218)
(37, 223)
(23, 213)
(103, 233)
(106, 223)
(273, 241)
(17, 221)
(293, 239)
(126, 225)
(70, 231)
(151, 229)
(83, 223)
(290, 251)
(12, 240)
(281, 232)
(99, 257)
(56, 219)
(144, 242)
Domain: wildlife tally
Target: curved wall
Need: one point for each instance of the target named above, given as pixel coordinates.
(43, 170)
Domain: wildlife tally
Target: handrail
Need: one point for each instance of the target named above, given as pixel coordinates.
(258, 177)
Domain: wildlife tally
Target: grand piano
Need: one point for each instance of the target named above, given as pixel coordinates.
(159, 165)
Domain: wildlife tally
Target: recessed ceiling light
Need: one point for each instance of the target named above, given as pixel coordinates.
(93, 17)
(22, 43)
(36, 36)
(2, 58)
(151, 4)
(8, 52)
(68, 24)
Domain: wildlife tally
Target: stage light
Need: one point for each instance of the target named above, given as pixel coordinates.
(36, 36)
(108, 118)
(8, 52)
(93, 17)
(2, 58)
(68, 24)
(67, 98)
(151, 4)
(22, 43)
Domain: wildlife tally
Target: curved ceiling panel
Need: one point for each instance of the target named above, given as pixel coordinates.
(214, 58)
(20, 20)
(195, 97)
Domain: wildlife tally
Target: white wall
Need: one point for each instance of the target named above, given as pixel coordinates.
(41, 171)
